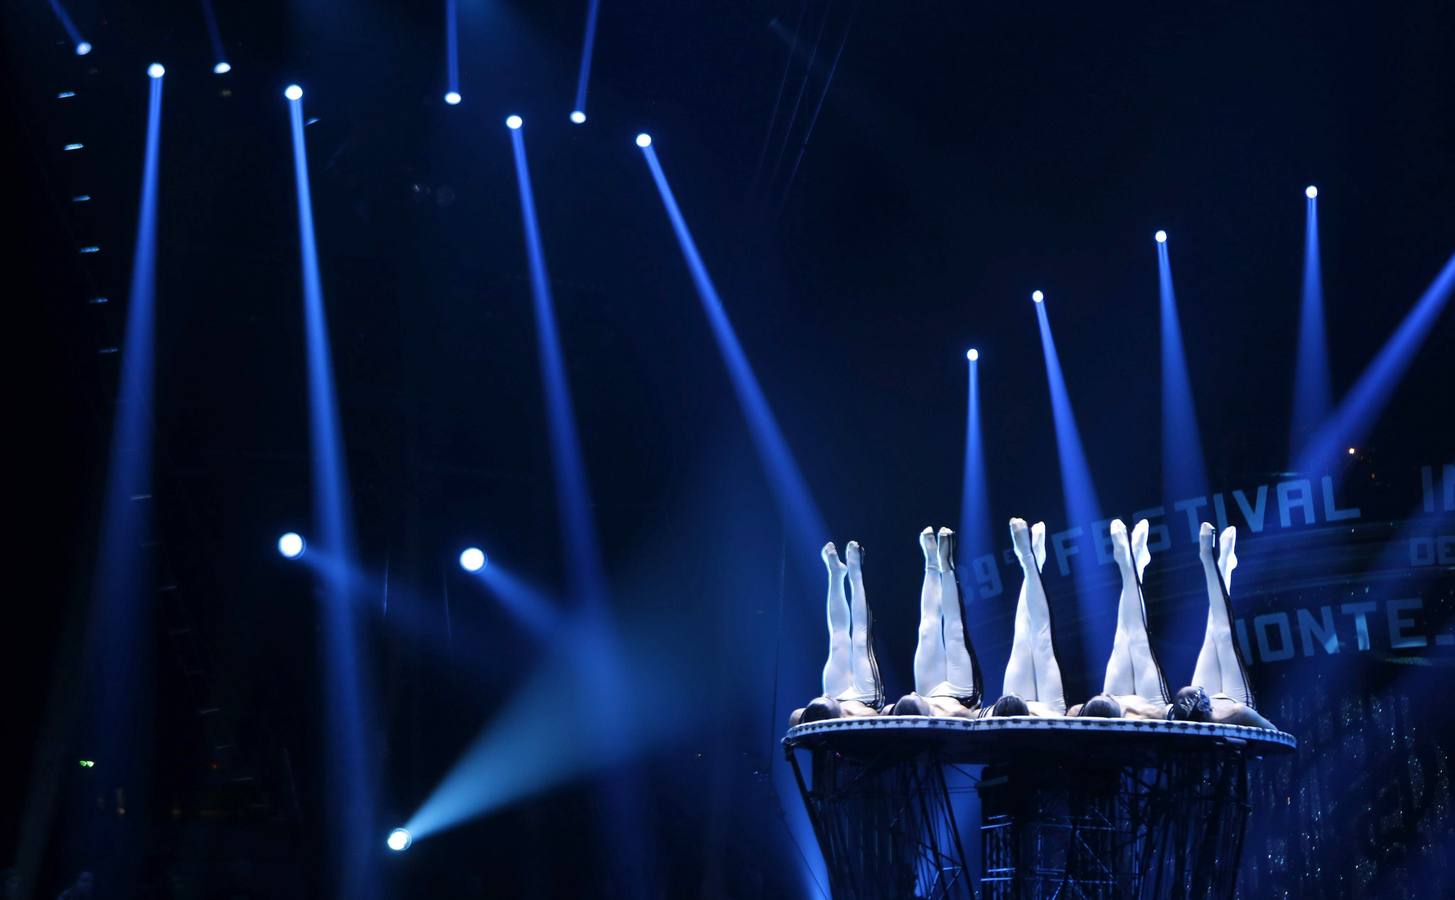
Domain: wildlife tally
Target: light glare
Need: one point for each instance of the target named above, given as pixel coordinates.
(293, 92)
(1037, 296)
(399, 840)
(453, 98)
(1161, 237)
(472, 559)
(291, 545)
(83, 48)
(514, 122)
(972, 354)
(578, 117)
(644, 140)
(1310, 192)
(222, 68)
(156, 70)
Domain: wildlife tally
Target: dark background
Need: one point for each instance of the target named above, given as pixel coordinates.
(965, 154)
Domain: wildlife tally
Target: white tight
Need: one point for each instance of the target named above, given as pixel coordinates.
(850, 672)
(1032, 672)
(1132, 668)
(1219, 667)
(943, 663)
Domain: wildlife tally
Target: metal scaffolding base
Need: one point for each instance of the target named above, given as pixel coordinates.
(1069, 808)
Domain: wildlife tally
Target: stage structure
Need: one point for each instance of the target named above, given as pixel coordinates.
(1070, 807)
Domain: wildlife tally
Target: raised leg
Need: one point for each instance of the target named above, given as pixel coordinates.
(838, 676)
(929, 652)
(1132, 668)
(868, 688)
(1048, 672)
(1219, 668)
(1020, 670)
(962, 672)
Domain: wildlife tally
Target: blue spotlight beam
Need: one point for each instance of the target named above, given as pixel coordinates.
(452, 47)
(975, 537)
(118, 638)
(790, 489)
(1184, 471)
(588, 48)
(72, 32)
(1082, 504)
(1357, 414)
(1312, 393)
(214, 35)
(350, 788)
(573, 498)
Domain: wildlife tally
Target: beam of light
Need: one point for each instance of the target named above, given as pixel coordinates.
(529, 606)
(529, 746)
(1357, 414)
(349, 785)
(573, 498)
(452, 52)
(801, 517)
(974, 498)
(588, 47)
(82, 45)
(291, 545)
(214, 37)
(1184, 471)
(1312, 393)
(1082, 505)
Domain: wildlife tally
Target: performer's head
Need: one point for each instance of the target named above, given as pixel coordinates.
(1102, 706)
(1191, 705)
(913, 705)
(820, 709)
(1010, 705)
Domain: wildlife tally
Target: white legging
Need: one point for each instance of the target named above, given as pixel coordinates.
(944, 665)
(1132, 668)
(851, 672)
(1032, 672)
(1220, 669)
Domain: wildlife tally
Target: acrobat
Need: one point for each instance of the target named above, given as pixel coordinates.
(1220, 690)
(1032, 676)
(851, 683)
(946, 672)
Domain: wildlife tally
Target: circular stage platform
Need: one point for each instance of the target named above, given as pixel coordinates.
(1067, 807)
(1003, 738)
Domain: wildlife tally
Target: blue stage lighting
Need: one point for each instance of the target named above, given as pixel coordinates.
(453, 98)
(222, 68)
(644, 140)
(972, 354)
(578, 117)
(1310, 192)
(293, 92)
(513, 122)
(156, 70)
(291, 545)
(472, 559)
(399, 840)
(1161, 237)
(1037, 296)
(83, 47)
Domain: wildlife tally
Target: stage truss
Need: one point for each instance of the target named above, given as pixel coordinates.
(1069, 808)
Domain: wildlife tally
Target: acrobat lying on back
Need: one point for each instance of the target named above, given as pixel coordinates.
(946, 672)
(1032, 676)
(851, 685)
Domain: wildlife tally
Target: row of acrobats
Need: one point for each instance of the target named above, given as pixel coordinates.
(947, 674)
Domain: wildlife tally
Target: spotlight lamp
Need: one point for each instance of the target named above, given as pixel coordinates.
(1161, 237)
(399, 840)
(222, 67)
(972, 354)
(473, 559)
(156, 70)
(644, 140)
(453, 98)
(1037, 296)
(578, 117)
(514, 122)
(293, 92)
(83, 47)
(291, 545)
(1311, 192)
